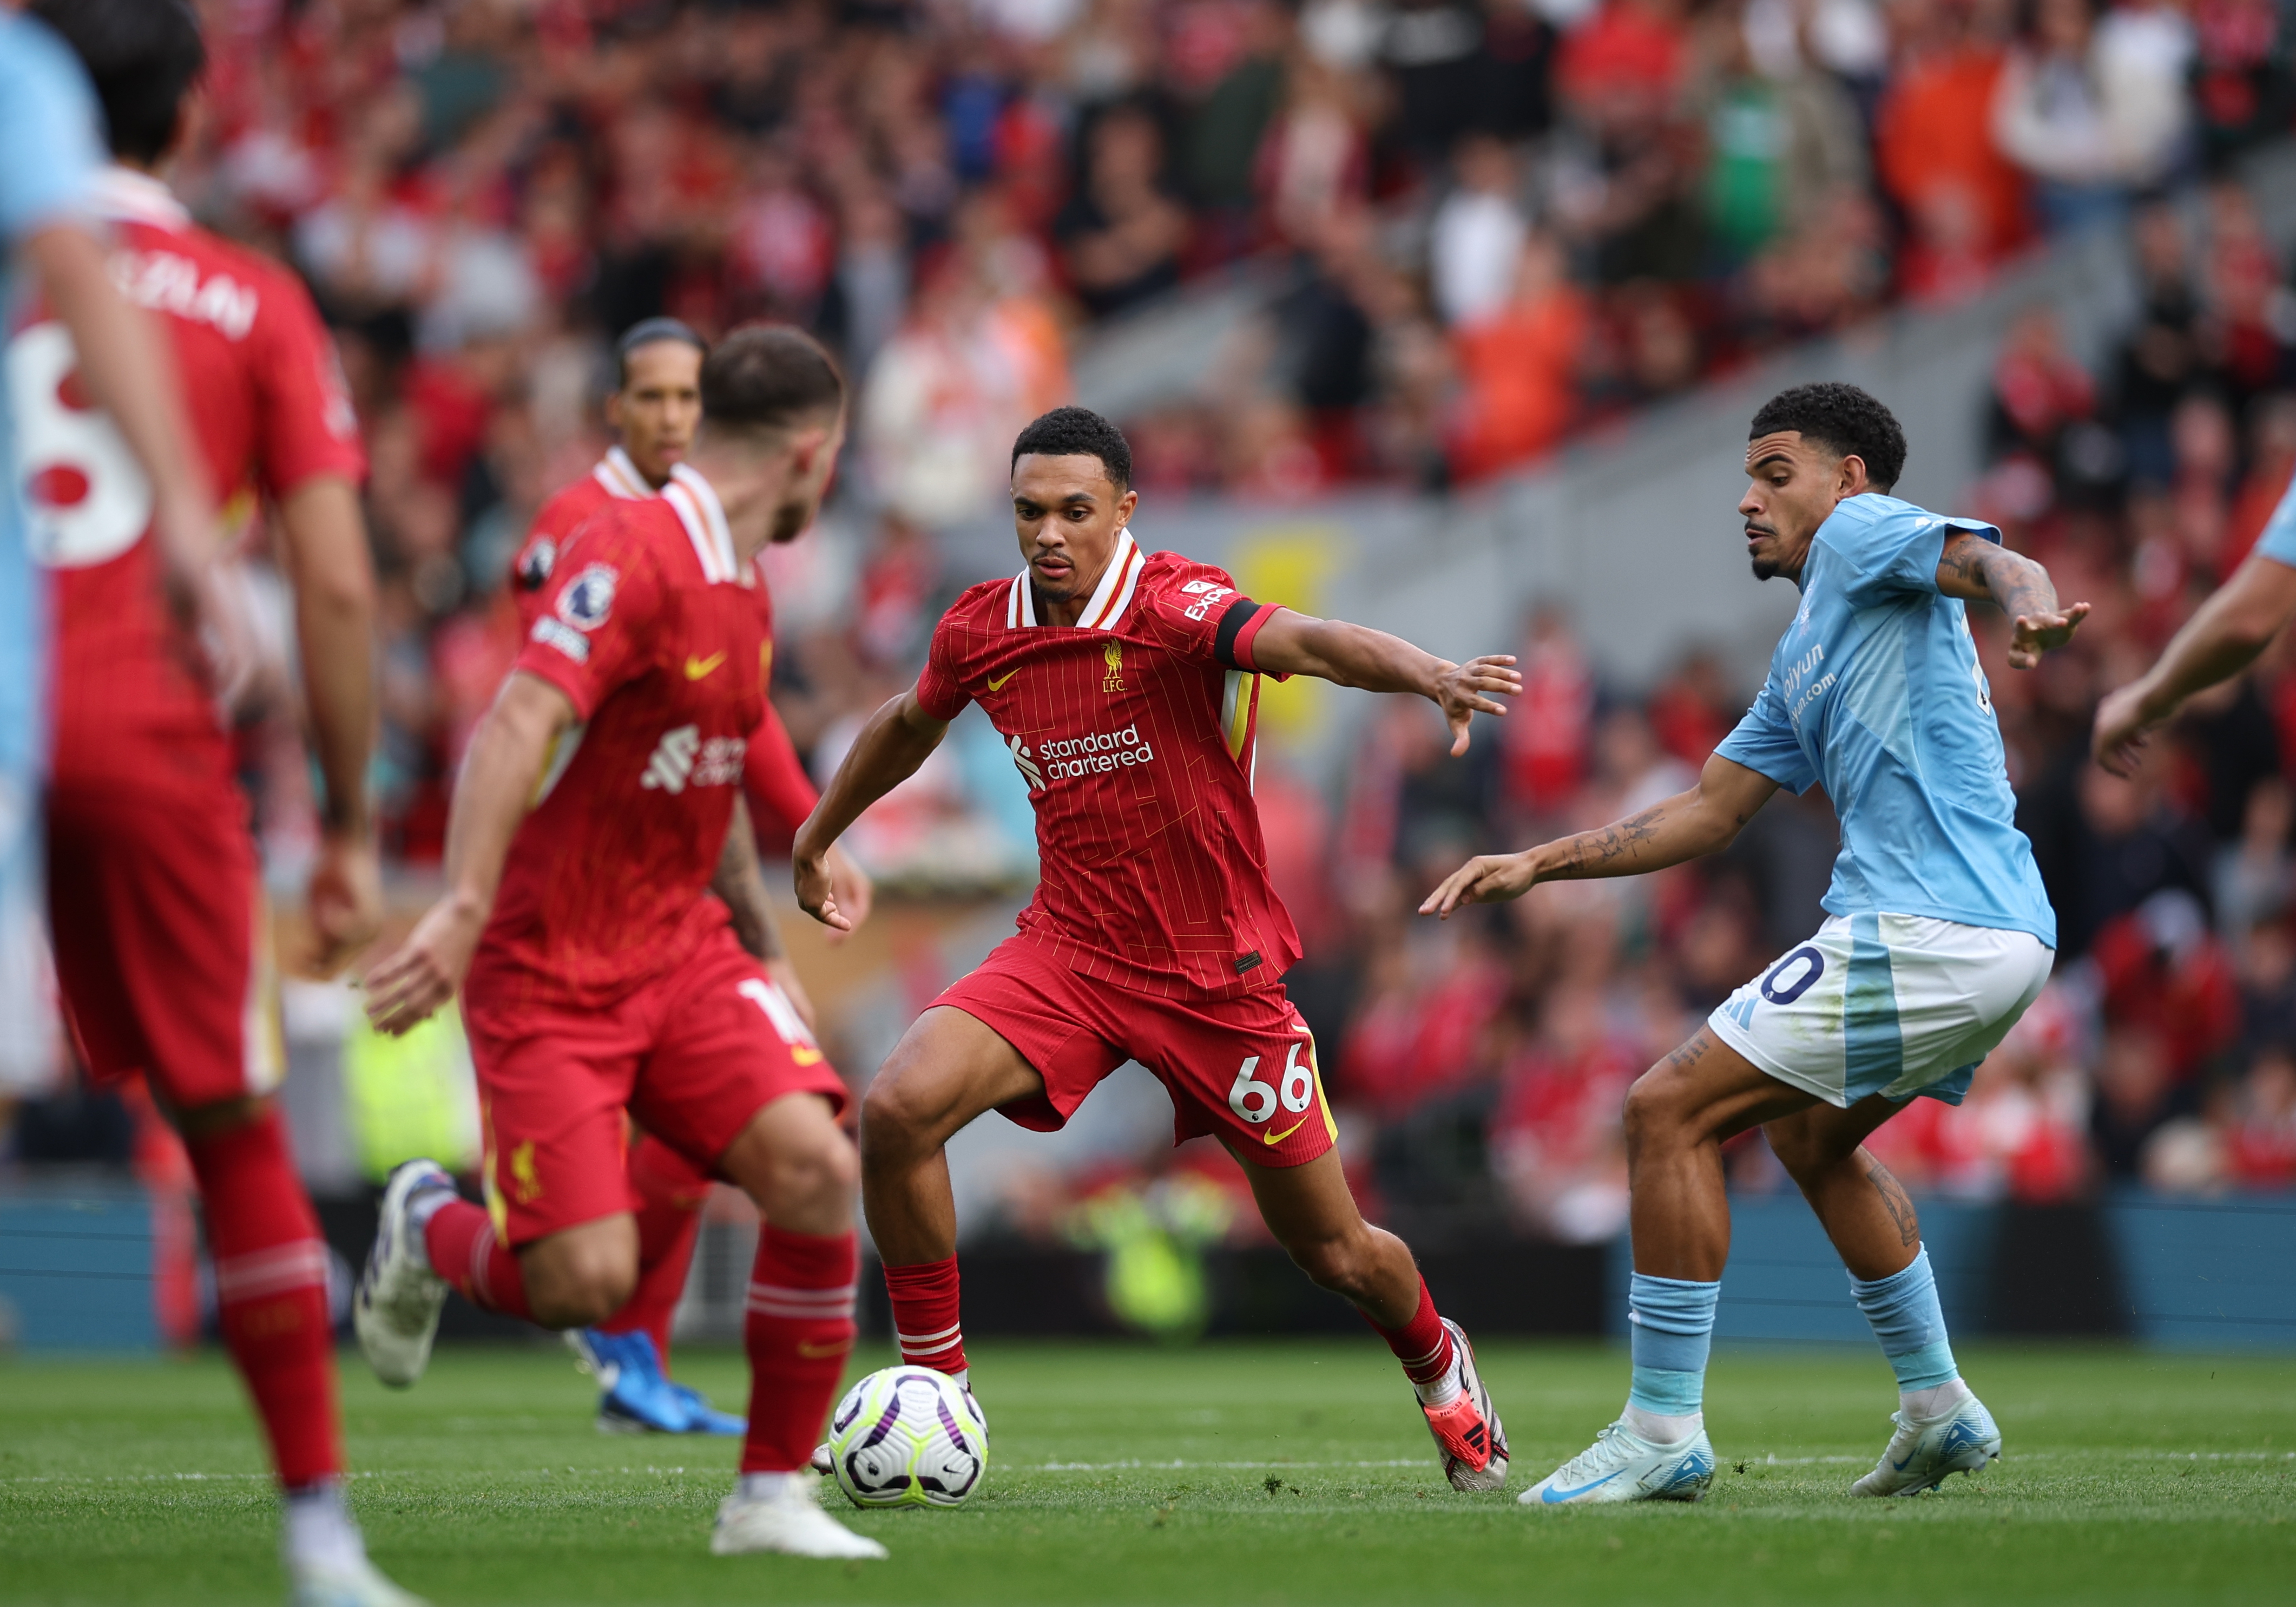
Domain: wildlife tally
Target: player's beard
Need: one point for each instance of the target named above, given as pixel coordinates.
(1765, 569)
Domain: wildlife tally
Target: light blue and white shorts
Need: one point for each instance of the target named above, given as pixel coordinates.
(1891, 1004)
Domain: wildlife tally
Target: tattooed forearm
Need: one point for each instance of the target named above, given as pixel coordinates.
(1602, 846)
(1895, 1201)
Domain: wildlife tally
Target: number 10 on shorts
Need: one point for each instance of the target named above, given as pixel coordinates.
(1255, 1100)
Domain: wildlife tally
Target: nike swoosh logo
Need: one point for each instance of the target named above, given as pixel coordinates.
(1908, 1462)
(1275, 1138)
(695, 668)
(812, 1351)
(1551, 1496)
(999, 686)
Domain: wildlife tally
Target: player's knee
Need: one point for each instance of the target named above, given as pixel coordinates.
(1649, 1111)
(810, 1185)
(579, 1287)
(1342, 1265)
(1799, 1150)
(893, 1124)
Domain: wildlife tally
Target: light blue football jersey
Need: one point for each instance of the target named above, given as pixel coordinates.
(2279, 538)
(49, 154)
(1875, 690)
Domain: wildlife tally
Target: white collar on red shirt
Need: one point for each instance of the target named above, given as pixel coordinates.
(698, 509)
(1109, 598)
(122, 192)
(621, 476)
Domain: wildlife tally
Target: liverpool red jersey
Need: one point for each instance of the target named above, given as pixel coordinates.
(780, 793)
(614, 478)
(654, 632)
(1135, 731)
(267, 405)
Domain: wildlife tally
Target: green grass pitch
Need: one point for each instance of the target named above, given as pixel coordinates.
(1264, 1472)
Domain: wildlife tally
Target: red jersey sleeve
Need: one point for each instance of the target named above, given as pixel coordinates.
(781, 794)
(1199, 612)
(304, 425)
(940, 694)
(604, 609)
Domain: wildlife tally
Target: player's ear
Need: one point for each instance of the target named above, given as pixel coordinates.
(1124, 507)
(1850, 480)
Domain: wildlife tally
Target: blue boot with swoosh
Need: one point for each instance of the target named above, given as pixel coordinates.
(1621, 1465)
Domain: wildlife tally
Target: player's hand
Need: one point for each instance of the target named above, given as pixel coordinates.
(2037, 633)
(427, 968)
(1464, 691)
(2123, 724)
(815, 895)
(1485, 879)
(346, 900)
(783, 972)
(854, 893)
(203, 595)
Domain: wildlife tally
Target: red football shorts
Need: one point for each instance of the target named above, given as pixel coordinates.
(153, 907)
(1243, 1069)
(692, 1056)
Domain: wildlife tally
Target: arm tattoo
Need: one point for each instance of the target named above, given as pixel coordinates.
(1600, 848)
(1895, 1201)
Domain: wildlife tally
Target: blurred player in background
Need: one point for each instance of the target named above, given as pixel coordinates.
(595, 811)
(2222, 638)
(653, 411)
(153, 874)
(1941, 937)
(1126, 684)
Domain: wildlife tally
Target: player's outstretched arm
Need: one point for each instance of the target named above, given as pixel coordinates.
(504, 764)
(1701, 821)
(897, 739)
(327, 560)
(1979, 570)
(1354, 655)
(2222, 638)
(740, 884)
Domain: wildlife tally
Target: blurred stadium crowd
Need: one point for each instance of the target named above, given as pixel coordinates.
(1488, 227)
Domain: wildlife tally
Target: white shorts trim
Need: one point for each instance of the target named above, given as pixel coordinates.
(1881, 1004)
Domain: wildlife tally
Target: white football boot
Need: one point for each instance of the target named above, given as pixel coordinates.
(345, 1582)
(1466, 1427)
(395, 1310)
(790, 1521)
(1621, 1465)
(1963, 1439)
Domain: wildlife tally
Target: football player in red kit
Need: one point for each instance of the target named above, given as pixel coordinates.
(653, 410)
(152, 873)
(600, 983)
(1126, 684)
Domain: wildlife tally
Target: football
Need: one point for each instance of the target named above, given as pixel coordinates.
(908, 1437)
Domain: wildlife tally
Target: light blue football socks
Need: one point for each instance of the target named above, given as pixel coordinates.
(1910, 1324)
(1670, 1323)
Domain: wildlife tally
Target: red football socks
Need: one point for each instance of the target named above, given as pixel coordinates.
(924, 1315)
(271, 1285)
(1422, 1345)
(672, 1191)
(799, 1332)
(476, 1264)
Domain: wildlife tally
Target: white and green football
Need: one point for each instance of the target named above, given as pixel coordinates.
(908, 1437)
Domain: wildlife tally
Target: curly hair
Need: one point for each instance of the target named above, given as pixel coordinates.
(1844, 420)
(1078, 433)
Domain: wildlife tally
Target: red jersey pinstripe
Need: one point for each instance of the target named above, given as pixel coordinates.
(268, 408)
(655, 635)
(1136, 741)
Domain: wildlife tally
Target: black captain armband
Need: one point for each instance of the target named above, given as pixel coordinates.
(1233, 629)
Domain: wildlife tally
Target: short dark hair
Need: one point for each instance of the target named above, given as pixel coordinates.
(1078, 432)
(1844, 419)
(142, 56)
(768, 376)
(646, 331)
